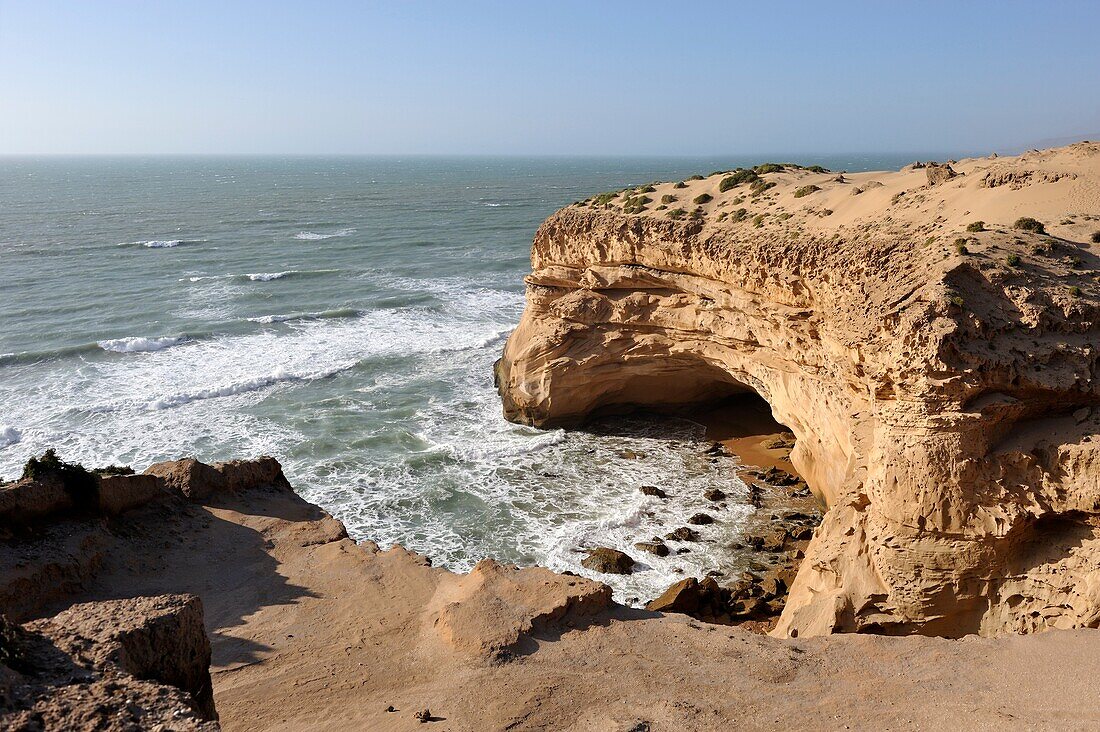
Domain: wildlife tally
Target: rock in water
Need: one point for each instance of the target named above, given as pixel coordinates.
(610, 561)
(659, 549)
(683, 533)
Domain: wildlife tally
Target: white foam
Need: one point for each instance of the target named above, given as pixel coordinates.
(314, 236)
(9, 436)
(267, 276)
(139, 344)
(320, 315)
(243, 387)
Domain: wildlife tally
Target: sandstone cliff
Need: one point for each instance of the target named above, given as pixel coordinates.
(928, 335)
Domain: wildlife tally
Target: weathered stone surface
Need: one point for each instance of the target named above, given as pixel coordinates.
(141, 663)
(656, 548)
(963, 495)
(611, 561)
(198, 481)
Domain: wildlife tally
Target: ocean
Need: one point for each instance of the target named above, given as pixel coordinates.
(341, 314)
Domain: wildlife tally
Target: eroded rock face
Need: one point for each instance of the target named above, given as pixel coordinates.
(141, 663)
(942, 397)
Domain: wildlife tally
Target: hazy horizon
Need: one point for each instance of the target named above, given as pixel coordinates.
(569, 80)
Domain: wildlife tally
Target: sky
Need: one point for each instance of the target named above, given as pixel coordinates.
(514, 77)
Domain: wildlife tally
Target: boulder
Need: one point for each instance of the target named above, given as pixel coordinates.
(659, 549)
(683, 533)
(652, 490)
(684, 596)
(938, 173)
(701, 519)
(607, 560)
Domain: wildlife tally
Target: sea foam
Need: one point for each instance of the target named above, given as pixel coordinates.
(139, 344)
(9, 436)
(314, 236)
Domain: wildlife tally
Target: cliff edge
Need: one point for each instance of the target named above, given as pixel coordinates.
(928, 335)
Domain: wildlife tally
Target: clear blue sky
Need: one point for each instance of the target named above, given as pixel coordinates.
(593, 77)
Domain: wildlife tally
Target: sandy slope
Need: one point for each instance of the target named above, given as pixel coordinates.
(310, 631)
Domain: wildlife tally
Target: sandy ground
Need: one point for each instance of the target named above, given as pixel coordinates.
(745, 426)
(312, 632)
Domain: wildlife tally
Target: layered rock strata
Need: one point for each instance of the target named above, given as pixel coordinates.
(929, 336)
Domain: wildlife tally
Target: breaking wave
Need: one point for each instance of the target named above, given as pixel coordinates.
(315, 236)
(139, 344)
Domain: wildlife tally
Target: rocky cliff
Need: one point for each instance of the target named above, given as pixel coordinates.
(929, 336)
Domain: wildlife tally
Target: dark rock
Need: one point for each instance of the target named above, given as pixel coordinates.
(423, 716)
(775, 476)
(652, 490)
(609, 561)
(800, 533)
(773, 587)
(683, 534)
(701, 519)
(714, 494)
(659, 549)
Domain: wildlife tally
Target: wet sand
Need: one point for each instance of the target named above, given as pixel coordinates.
(744, 424)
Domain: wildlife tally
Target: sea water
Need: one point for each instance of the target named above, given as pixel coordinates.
(342, 315)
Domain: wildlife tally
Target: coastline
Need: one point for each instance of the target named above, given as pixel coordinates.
(308, 629)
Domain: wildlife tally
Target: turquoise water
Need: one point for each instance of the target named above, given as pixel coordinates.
(343, 315)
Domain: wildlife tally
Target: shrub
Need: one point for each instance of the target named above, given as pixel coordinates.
(696, 177)
(668, 198)
(736, 178)
(768, 168)
(739, 215)
(1096, 237)
(604, 198)
(805, 191)
(702, 198)
(646, 189)
(1012, 260)
(77, 481)
(817, 169)
(676, 213)
(758, 220)
(1075, 291)
(975, 226)
(114, 470)
(681, 184)
(1026, 223)
(960, 246)
(956, 300)
(760, 185)
(1075, 262)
